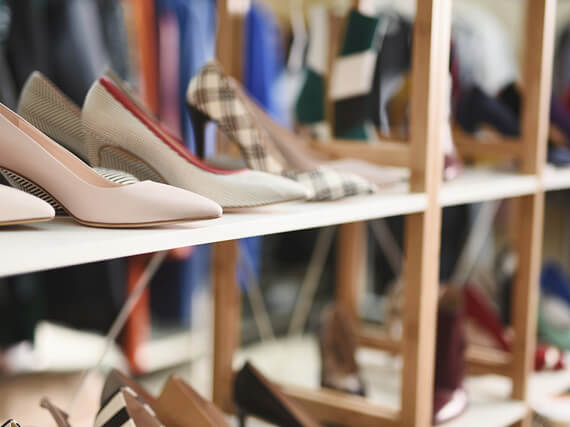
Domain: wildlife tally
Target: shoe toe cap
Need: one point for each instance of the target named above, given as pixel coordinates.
(24, 206)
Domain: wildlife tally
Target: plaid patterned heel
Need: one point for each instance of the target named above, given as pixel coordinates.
(213, 96)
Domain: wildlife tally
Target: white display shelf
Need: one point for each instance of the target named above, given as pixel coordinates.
(63, 242)
(556, 178)
(482, 184)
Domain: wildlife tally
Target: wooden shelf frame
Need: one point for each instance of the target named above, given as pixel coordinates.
(42, 246)
(423, 155)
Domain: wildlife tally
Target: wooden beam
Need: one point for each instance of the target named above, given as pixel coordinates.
(479, 360)
(470, 146)
(375, 337)
(485, 361)
(537, 82)
(338, 408)
(524, 300)
(227, 320)
(387, 153)
(430, 60)
(537, 75)
(350, 266)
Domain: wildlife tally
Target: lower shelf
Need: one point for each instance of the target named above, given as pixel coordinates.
(296, 361)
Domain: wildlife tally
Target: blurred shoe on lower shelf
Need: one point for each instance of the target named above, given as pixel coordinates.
(125, 408)
(450, 398)
(338, 345)
(256, 396)
(178, 404)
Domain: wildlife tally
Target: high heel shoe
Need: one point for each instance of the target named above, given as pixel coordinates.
(44, 106)
(255, 395)
(44, 167)
(212, 96)
(125, 408)
(299, 156)
(450, 398)
(178, 405)
(17, 207)
(338, 345)
(120, 135)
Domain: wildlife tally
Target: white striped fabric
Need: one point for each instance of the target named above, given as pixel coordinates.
(117, 411)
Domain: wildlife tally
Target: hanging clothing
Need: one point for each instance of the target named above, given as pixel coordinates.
(310, 105)
(485, 54)
(352, 78)
(7, 88)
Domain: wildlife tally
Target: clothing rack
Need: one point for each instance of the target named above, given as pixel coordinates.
(63, 243)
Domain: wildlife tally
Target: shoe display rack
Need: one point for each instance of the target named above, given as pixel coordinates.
(63, 243)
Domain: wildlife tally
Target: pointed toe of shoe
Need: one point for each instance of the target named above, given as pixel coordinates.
(255, 188)
(176, 204)
(20, 206)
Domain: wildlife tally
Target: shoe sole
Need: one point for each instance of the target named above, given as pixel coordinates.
(24, 221)
(31, 187)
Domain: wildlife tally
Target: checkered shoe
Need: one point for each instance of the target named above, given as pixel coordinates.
(212, 93)
(327, 184)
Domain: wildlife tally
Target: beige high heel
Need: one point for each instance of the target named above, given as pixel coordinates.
(122, 135)
(18, 207)
(47, 169)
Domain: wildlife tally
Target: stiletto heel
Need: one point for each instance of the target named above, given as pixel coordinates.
(199, 122)
(257, 396)
(241, 417)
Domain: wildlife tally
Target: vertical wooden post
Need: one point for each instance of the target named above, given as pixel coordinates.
(350, 266)
(227, 319)
(422, 240)
(537, 75)
(537, 82)
(226, 293)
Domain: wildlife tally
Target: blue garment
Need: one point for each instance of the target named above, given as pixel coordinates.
(264, 59)
(262, 66)
(197, 23)
(554, 281)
